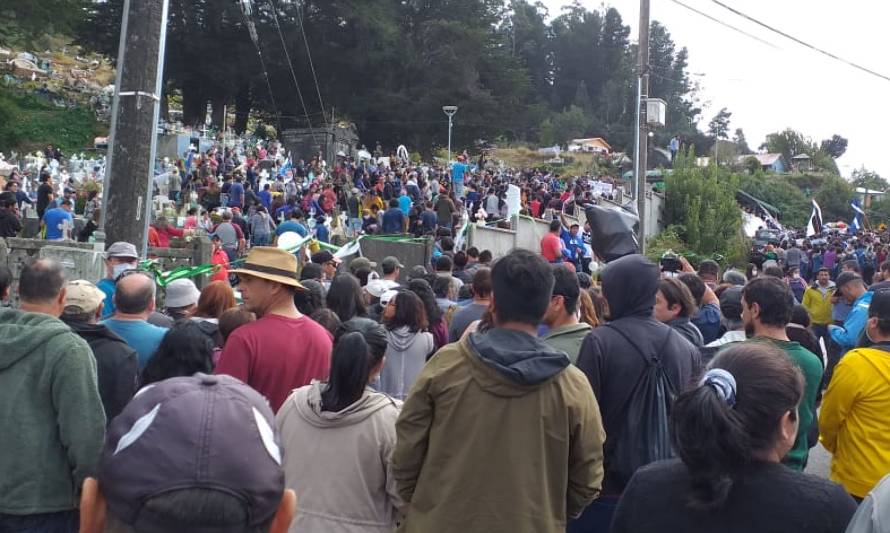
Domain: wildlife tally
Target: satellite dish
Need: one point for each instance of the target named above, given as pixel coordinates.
(289, 240)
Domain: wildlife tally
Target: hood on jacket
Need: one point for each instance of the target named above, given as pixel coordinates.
(93, 331)
(22, 333)
(307, 401)
(629, 285)
(519, 357)
(402, 338)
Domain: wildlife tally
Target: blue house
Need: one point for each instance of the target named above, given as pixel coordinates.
(772, 163)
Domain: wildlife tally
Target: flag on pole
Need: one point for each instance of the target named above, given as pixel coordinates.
(814, 226)
(858, 215)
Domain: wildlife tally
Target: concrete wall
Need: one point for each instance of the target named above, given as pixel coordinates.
(527, 233)
(409, 254)
(86, 260)
(654, 213)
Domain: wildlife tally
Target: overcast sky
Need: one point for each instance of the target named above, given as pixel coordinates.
(768, 89)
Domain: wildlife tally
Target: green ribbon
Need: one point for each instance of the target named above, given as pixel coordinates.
(163, 278)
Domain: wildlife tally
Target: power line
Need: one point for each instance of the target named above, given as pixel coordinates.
(730, 26)
(251, 29)
(290, 66)
(311, 65)
(800, 42)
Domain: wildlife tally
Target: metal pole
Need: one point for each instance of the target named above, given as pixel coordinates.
(643, 132)
(153, 150)
(637, 141)
(449, 142)
(115, 102)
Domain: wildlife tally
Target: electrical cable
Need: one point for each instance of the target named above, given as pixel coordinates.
(251, 29)
(311, 65)
(291, 67)
(800, 42)
(730, 26)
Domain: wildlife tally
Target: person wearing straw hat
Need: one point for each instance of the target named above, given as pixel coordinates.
(283, 349)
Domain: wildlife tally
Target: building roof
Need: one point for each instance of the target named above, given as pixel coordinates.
(593, 140)
(766, 160)
(800, 157)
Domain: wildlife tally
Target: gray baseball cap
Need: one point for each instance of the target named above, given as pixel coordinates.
(196, 432)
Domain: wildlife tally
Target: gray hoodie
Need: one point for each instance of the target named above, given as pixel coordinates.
(338, 463)
(406, 353)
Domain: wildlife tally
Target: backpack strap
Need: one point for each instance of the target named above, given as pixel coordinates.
(649, 357)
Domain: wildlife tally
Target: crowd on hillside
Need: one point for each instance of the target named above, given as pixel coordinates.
(473, 393)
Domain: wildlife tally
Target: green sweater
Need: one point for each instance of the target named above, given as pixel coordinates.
(811, 368)
(51, 420)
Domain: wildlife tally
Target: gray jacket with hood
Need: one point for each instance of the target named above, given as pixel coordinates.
(339, 463)
(613, 365)
(406, 353)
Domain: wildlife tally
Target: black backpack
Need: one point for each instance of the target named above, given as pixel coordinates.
(645, 437)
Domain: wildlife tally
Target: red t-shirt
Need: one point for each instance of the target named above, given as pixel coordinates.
(551, 247)
(276, 355)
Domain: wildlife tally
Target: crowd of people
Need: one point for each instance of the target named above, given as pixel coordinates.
(474, 393)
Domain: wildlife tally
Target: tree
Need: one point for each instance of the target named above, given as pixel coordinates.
(26, 20)
(739, 139)
(718, 127)
(835, 146)
(559, 128)
(789, 143)
(835, 198)
(701, 202)
(869, 179)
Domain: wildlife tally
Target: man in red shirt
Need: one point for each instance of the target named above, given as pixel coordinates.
(551, 244)
(283, 349)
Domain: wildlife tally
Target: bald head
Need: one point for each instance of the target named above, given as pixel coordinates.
(135, 294)
(41, 281)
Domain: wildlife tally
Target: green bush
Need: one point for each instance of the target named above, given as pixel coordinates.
(28, 123)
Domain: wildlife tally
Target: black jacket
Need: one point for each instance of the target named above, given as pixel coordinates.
(116, 365)
(613, 365)
(10, 225)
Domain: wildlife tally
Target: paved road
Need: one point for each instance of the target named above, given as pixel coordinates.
(818, 462)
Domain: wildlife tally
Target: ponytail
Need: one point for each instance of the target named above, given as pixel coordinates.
(351, 365)
(711, 441)
(733, 417)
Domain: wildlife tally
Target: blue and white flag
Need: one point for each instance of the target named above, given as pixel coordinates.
(858, 215)
(285, 167)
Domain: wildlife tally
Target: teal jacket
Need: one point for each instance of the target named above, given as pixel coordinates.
(51, 420)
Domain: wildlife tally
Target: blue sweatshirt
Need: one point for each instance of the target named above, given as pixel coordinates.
(847, 336)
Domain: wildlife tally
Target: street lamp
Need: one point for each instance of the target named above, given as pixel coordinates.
(449, 110)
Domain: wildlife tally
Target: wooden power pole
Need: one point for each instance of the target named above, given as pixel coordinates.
(642, 155)
(129, 170)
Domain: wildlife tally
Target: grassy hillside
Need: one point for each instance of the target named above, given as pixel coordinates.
(28, 123)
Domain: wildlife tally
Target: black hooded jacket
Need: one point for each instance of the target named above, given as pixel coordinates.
(116, 366)
(613, 365)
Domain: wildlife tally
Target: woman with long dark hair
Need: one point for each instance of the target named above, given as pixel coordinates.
(338, 438)
(184, 350)
(408, 343)
(345, 297)
(730, 434)
(435, 318)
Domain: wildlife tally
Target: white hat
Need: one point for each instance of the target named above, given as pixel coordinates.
(182, 293)
(387, 296)
(377, 287)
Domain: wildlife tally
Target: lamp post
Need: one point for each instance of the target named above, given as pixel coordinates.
(449, 110)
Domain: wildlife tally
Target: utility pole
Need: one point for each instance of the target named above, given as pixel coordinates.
(129, 171)
(642, 154)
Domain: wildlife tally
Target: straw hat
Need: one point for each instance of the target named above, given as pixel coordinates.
(273, 264)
